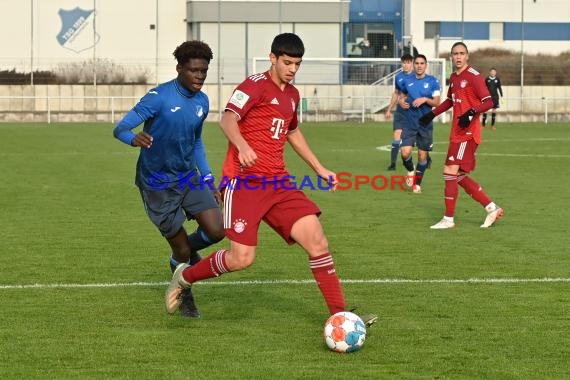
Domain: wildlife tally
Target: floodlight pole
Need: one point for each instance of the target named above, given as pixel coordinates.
(218, 63)
(94, 44)
(280, 16)
(156, 44)
(32, 44)
(462, 20)
(522, 53)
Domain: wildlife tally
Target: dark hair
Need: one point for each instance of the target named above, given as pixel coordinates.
(406, 57)
(289, 44)
(192, 49)
(420, 56)
(462, 44)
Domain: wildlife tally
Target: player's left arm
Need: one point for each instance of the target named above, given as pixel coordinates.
(499, 87)
(432, 99)
(200, 153)
(482, 92)
(432, 102)
(299, 144)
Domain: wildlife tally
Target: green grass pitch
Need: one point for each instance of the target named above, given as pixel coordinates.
(83, 270)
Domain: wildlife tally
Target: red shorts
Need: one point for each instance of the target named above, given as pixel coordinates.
(246, 204)
(462, 154)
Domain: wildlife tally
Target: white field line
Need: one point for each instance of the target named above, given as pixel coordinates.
(387, 281)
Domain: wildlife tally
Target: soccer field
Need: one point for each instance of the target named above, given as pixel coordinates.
(83, 270)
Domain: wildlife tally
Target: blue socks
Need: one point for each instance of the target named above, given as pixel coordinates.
(173, 264)
(420, 170)
(198, 240)
(409, 164)
(394, 151)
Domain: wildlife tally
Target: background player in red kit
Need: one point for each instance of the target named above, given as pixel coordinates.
(469, 96)
(260, 117)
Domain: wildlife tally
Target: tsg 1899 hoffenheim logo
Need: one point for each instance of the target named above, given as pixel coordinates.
(77, 29)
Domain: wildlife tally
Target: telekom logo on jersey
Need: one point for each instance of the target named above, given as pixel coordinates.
(277, 128)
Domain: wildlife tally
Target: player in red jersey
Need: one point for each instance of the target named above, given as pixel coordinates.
(469, 96)
(260, 117)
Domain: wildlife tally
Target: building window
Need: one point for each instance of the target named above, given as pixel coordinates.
(431, 29)
(496, 31)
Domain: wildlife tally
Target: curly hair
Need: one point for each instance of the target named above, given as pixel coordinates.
(192, 49)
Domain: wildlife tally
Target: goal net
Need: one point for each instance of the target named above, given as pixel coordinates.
(349, 87)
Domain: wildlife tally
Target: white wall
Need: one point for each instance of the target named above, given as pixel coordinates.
(122, 33)
(541, 11)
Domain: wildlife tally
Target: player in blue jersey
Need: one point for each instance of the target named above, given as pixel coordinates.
(399, 118)
(172, 173)
(421, 93)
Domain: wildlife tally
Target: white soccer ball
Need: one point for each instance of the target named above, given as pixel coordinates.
(344, 332)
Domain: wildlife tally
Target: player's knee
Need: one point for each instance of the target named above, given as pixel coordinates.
(241, 261)
(181, 252)
(318, 243)
(213, 232)
(217, 234)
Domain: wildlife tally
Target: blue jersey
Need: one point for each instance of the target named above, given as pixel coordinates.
(414, 88)
(399, 81)
(173, 116)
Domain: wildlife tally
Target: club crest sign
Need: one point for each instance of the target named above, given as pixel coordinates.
(77, 29)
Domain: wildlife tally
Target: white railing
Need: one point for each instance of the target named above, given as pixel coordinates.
(86, 105)
(316, 108)
(362, 108)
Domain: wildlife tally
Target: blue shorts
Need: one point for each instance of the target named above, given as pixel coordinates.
(169, 208)
(399, 120)
(421, 137)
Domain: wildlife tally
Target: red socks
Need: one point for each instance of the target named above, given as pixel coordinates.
(212, 266)
(327, 280)
(450, 193)
(474, 190)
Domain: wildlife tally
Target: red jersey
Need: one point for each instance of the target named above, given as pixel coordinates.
(267, 114)
(466, 90)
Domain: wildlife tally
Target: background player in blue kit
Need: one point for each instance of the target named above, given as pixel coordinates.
(421, 93)
(172, 170)
(399, 118)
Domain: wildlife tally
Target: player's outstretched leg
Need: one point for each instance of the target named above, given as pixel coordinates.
(173, 295)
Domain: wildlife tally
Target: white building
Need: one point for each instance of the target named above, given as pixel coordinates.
(142, 34)
(490, 24)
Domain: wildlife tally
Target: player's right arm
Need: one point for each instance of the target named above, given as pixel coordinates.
(393, 102)
(441, 108)
(230, 127)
